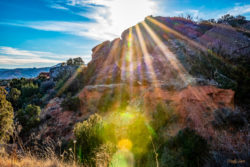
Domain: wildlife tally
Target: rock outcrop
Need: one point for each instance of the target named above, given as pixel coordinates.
(225, 38)
(60, 71)
(125, 59)
(168, 60)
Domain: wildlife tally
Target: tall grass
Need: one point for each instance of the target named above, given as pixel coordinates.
(18, 154)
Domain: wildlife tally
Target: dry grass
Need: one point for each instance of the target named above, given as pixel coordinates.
(29, 157)
(31, 161)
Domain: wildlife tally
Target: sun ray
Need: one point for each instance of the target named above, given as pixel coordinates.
(183, 37)
(200, 94)
(129, 58)
(123, 63)
(70, 80)
(147, 58)
(168, 54)
(110, 58)
(179, 35)
(138, 60)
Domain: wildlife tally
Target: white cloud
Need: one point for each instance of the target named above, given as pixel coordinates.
(110, 18)
(23, 61)
(87, 2)
(13, 56)
(13, 51)
(239, 10)
(57, 6)
(97, 31)
(179, 12)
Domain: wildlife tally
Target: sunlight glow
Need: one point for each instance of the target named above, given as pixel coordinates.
(174, 61)
(125, 144)
(126, 13)
(129, 58)
(112, 17)
(70, 80)
(167, 53)
(179, 35)
(147, 58)
(107, 62)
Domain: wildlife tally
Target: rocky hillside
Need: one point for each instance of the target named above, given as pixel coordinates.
(175, 50)
(201, 70)
(176, 75)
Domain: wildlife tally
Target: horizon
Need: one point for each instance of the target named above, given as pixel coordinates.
(44, 33)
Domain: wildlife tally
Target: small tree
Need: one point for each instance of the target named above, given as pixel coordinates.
(189, 17)
(78, 61)
(88, 136)
(69, 62)
(71, 103)
(226, 18)
(29, 89)
(6, 117)
(233, 21)
(189, 147)
(212, 20)
(13, 97)
(241, 19)
(29, 117)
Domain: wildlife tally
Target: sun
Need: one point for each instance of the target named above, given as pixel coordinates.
(126, 13)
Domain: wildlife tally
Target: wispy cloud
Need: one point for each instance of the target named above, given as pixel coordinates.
(14, 56)
(57, 6)
(109, 17)
(96, 31)
(12, 51)
(239, 10)
(24, 61)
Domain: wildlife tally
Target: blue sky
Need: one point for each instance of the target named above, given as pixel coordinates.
(39, 33)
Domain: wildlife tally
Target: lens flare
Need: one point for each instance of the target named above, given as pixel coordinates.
(125, 144)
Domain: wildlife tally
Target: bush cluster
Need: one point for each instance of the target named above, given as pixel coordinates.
(71, 103)
(29, 117)
(88, 136)
(6, 117)
(187, 148)
(225, 118)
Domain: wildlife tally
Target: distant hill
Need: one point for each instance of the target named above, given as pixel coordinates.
(22, 72)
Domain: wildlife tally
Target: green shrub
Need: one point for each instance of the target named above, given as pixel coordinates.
(163, 116)
(225, 118)
(6, 117)
(13, 97)
(127, 130)
(187, 148)
(171, 158)
(60, 83)
(110, 98)
(29, 117)
(71, 83)
(29, 93)
(88, 137)
(46, 85)
(29, 89)
(71, 103)
(233, 21)
(105, 102)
